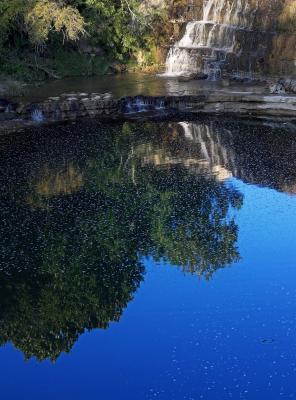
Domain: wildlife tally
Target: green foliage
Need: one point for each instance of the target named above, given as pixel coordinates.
(118, 28)
(16, 69)
(72, 63)
(46, 15)
(79, 219)
(38, 17)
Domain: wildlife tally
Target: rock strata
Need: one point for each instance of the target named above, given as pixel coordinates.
(73, 106)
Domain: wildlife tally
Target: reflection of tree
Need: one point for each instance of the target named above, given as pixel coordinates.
(190, 224)
(71, 253)
(79, 274)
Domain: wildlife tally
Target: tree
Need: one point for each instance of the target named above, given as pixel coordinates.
(119, 27)
(38, 18)
(48, 15)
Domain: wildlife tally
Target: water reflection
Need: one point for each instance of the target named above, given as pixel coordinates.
(80, 208)
(134, 84)
(257, 154)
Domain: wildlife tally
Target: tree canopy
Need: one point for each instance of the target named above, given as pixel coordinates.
(116, 29)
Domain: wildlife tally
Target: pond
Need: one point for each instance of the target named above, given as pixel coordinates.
(133, 84)
(148, 260)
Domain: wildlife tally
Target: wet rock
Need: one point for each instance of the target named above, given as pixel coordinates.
(277, 88)
(7, 116)
(69, 95)
(289, 85)
(190, 77)
(65, 108)
(117, 68)
(20, 108)
(107, 96)
(3, 104)
(201, 76)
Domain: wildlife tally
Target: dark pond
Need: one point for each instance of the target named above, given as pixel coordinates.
(148, 260)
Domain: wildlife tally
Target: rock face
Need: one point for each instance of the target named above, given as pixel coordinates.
(242, 38)
(70, 107)
(75, 106)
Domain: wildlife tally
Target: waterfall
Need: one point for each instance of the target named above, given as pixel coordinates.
(206, 43)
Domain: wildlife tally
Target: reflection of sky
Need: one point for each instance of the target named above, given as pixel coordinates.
(181, 338)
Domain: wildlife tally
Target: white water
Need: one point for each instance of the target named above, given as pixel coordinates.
(37, 115)
(205, 44)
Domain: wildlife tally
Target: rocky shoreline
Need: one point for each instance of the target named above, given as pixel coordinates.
(75, 106)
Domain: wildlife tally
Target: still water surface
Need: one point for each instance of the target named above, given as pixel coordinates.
(133, 84)
(148, 260)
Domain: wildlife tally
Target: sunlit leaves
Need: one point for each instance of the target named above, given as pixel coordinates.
(287, 18)
(47, 15)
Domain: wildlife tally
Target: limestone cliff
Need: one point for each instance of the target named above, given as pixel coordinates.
(235, 37)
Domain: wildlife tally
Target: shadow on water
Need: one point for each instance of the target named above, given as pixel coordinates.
(82, 205)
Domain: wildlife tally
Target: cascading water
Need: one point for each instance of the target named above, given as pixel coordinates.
(206, 43)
